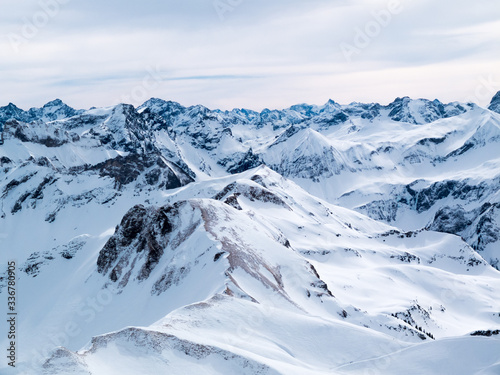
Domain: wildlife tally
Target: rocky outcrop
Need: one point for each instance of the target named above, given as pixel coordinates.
(495, 103)
(138, 243)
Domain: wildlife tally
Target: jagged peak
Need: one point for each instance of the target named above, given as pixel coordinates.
(495, 103)
(245, 111)
(199, 111)
(153, 100)
(124, 107)
(329, 105)
(421, 111)
(361, 104)
(11, 107)
(300, 106)
(286, 134)
(55, 102)
(198, 107)
(401, 101)
(304, 109)
(159, 102)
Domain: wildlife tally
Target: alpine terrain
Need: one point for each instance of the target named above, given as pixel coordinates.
(333, 239)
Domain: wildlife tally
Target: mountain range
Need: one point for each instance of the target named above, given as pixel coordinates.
(334, 239)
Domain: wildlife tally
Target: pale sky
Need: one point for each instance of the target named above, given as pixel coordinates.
(247, 53)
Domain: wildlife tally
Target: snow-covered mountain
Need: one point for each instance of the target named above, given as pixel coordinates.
(344, 239)
(51, 111)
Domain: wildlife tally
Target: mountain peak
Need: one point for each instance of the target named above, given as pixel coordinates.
(422, 111)
(157, 102)
(495, 103)
(123, 107)
(398, 100)
(331, 107)
(54, 103)
(11, 111)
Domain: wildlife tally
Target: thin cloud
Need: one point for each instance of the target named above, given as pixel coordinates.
(258, 54)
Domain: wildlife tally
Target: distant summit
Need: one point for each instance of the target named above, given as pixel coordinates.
(51, 111)
(495, 103)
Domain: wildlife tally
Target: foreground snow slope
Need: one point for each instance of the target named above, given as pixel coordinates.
(253, 269)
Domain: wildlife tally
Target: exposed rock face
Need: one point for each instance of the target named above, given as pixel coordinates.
(472, 216)
(495, 103)
(54, 110)
(138, 243)
(422, 111)
(248, 161)
(450, 220)
(253, 192)
(127, 169)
